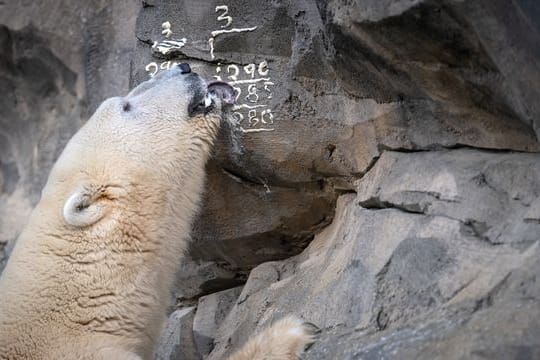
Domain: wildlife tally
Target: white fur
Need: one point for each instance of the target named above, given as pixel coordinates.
(90, 276)
(80, 210)
(286, 339)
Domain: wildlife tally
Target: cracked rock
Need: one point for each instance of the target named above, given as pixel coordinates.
(381, 282)
(494, 195)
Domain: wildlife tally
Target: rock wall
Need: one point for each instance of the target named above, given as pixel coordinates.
(379, 175)
(58, 61)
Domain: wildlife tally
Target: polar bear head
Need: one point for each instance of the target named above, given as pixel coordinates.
(139, 160)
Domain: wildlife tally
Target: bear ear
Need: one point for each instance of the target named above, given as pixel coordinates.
(84, 208)
(221, 90)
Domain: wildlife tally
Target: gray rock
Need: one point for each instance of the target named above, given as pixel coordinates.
(3, 257)
(58, 62)
(404, 271)
(454, 184)
(434, 257)
(176, 341)
(211, 311)
(502, 325)
(347, 80)
(350, 79)
(196, 279)
(38, 114)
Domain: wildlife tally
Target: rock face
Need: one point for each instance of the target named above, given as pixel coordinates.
(211, 311)
(433, 257)
(58, 62)
(176, 341)
(379, 175)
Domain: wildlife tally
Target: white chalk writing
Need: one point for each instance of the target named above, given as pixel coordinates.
(166, 46)
(228, 31)
(166, 26)
(251, 82)
(224, 15)
(153, 67)
(252, 87)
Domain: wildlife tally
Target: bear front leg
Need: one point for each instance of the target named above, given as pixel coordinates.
(286, 339)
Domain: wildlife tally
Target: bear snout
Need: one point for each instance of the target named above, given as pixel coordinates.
(184, 68)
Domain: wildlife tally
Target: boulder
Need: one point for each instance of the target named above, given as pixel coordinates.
(411, 264)
(176, 341)
(200, 278)
(211, 311)
(325, 88)
(495, 196)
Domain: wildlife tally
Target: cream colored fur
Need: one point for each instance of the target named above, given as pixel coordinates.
(91, 274)
(284, 340)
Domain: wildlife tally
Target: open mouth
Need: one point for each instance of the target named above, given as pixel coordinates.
(222, 90)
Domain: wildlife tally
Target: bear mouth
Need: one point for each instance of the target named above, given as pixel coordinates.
(221, 89)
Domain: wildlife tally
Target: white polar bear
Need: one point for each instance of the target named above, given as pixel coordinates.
(91, 274)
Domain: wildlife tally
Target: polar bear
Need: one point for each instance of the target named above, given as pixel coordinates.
(91, 274)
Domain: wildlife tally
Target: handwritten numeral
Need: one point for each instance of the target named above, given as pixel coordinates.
(263, 68)
(237, 91)
(252, 118)
(165, 65)
(250, 70)
(224, 16)
(266, 85)
(269, 117)
(238, 117)
(151, 66)
(235, 70)
(252, 95)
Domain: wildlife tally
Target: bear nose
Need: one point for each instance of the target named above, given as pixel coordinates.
(184, 68)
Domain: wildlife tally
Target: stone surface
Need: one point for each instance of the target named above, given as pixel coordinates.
(501, 325)
(211, 311)
(176, 340)
(346, 80)
(349, 80)
(58, 61)
(402, 151)
(455, 184)
(3, 257)
(411, 267)
(199, 278)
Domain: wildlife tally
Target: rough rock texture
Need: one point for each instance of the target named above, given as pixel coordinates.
(396, 139)
(176, 340)
(58, 61)
(348, 81)
(414, 267)
(211, 311)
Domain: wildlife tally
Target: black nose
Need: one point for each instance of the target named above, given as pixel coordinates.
(184, 68)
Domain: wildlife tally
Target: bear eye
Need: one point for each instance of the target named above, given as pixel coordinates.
(126, 106)
(195, 109)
